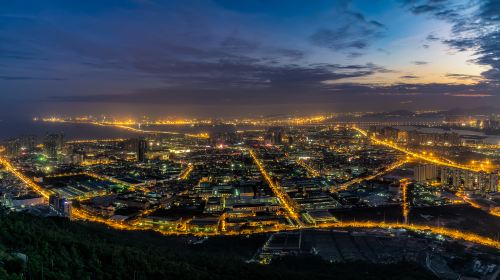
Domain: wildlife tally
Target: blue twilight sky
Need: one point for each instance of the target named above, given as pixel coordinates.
(223, 57)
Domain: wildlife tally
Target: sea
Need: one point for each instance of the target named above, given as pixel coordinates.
(16, 128)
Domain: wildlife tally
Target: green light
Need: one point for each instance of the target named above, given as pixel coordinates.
(42, 158)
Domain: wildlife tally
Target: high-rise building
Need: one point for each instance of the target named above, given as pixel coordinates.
(60, 205)
(275, 135)
(390, 133)
(422, 173)
(13, 147)
(481, 182)
(402, 136)
(23, 144)
(477, 182)
(28, 143)
(222, 134)
(52, 144)
(141, 149)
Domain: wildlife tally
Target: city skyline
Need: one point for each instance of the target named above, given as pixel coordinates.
(224, 58)
(250, 139)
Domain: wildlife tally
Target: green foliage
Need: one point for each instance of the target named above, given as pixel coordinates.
(60, 249)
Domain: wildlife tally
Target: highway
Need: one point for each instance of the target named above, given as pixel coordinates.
(424, 157)
(128, 126)
(451, 233)
(313, 172)
(185, 173)
(406, 204)
(475, 205)
(85, 141)
(442, 161)
(10, 168)
(387, 169)
(288, 203)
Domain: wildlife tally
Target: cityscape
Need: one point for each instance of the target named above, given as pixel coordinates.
(250, 163)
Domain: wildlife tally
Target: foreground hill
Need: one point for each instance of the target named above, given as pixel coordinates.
(60, 249)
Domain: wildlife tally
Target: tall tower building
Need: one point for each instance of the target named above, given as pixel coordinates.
(141, 149)
(53, 143)
(425, 172)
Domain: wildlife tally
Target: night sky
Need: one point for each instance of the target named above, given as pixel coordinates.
(221, 58)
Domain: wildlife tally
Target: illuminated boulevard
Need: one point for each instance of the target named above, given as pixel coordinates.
(185, 174)
(423, 157)
(385, 170)
(427, 158)
(289, 207)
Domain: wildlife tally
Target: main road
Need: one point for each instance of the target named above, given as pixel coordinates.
(424, 157)
(385, 170)
(288, 203)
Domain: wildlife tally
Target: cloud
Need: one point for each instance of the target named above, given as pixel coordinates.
(349, 30)
(237, 75)
(473, 95)
(331, 93)
(409, 77)
(424, 89)
(292, 54)
(420, 62)
(431, 38)
(338, 39)
(167, 52)
(420, 9)
(238, 45)
(196, 52)
(248, 72)
(27, 78)
(474, 28)
(462, 76)
(354, 54)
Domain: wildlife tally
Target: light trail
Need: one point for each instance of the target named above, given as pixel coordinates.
(30, 183)
(127, 126)
(444, 162)
(199, 135)
(185, 174)
(389, 168)
(451, 233)
(290, 206)
(406, 208)
(493, 212)
(97, 162)
(84, 141)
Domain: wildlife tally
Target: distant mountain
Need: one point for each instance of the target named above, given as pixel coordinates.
(485, 110)
(393, 113)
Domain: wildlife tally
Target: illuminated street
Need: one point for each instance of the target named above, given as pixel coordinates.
(421, 156)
